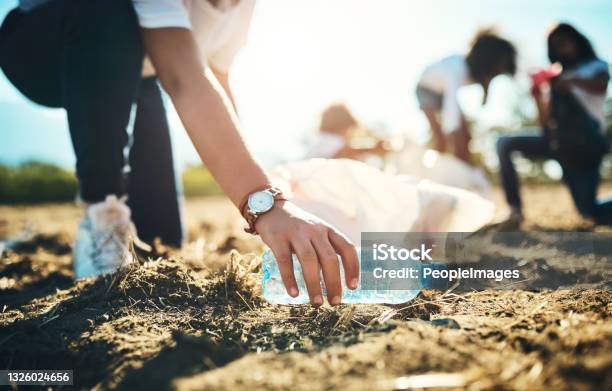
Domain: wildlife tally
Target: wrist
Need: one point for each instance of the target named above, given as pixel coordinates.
(269, 216)
(258, 203)
(245, 198)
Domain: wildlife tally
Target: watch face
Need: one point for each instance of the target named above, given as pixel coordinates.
(261, 202)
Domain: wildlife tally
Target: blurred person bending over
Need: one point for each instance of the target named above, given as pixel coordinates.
(52, 73)
(87, 57)
(488, 57)
(333, 139)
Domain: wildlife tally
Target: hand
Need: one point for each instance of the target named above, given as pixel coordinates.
(439, 144)
(287, 229)
(460, 139)
(536, 92)
(381, 148)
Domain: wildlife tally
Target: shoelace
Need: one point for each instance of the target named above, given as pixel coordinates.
(100, 242)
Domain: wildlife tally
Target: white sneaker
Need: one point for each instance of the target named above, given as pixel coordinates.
(104, 238)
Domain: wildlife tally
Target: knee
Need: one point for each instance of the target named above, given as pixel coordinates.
(503, 145)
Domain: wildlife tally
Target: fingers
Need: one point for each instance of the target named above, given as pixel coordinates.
(284, 259)
(328, 259)
(350, 262)
(310, 268)
(288, 230)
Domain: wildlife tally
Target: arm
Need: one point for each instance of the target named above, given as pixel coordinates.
(349, 152)
(485, 89)
(438, 137)
(598, 84)
(542, 104)
(223, 79)
(213, 129)
(451, 110)
(203, 109)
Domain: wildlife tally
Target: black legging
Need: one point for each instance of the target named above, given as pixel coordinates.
(582, 183)
(86, 56)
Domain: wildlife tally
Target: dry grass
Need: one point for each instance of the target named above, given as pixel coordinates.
(194, 319)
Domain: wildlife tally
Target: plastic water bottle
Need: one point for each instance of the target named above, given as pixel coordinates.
(274, 290)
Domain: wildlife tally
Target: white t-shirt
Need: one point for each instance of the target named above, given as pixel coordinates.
(445, 77)
(325, 145)
(219, 31)
(592, 102)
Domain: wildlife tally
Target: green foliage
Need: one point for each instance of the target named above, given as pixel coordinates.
(36, 182)
(199, 182)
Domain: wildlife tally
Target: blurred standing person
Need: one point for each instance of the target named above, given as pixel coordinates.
(87, 57)
(488, 57)
(571, 113)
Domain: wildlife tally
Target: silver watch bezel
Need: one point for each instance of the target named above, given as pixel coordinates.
(252, 209)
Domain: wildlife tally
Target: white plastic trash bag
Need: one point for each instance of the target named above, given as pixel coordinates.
(419, 162)
(355, 198)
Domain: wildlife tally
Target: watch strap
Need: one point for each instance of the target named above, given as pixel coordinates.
(250, 217)
(245, 200)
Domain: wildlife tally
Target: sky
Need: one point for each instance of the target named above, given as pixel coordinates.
(304, 54)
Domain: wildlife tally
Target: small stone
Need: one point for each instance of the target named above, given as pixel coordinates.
(446, 322)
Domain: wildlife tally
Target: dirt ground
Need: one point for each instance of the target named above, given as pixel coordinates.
(193, 319)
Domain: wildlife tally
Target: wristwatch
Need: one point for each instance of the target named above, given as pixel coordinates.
(258, 203)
